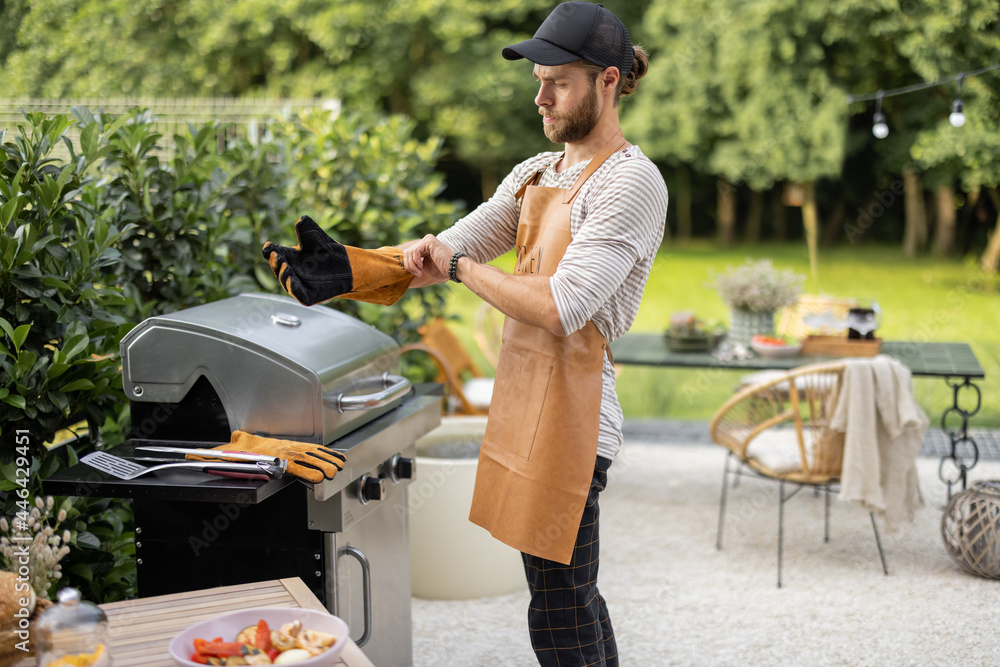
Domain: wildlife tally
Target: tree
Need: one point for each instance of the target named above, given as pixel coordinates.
(969, 154)
(756, 93)
(750, 93)
(436, 61)
(676, 112)
(744, 96)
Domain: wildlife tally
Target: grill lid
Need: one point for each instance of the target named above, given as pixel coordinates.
(277, 368)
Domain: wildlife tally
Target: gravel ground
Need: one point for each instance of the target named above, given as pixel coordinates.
(676, 600)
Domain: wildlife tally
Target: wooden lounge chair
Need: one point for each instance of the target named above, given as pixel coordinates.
(469, 388)
(489, 332)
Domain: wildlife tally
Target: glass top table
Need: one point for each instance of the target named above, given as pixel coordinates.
(955, 362)
(922, 358)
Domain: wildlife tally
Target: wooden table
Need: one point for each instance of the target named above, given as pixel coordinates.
(140, 630)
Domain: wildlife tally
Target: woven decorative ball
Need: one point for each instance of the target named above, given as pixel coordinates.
(971, 529)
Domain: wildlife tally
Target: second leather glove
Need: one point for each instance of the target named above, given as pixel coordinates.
(310, 462)
(319, 268)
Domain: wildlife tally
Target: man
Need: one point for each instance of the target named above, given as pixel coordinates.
(586, 225)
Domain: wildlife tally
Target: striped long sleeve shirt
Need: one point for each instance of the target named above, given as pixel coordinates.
(617, 222)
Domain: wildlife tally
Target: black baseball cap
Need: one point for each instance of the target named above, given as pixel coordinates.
(578, 31)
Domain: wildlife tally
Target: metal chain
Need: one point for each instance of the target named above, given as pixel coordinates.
(959, 436)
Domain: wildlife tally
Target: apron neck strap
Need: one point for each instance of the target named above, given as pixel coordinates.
(609, 148)
(533, 180)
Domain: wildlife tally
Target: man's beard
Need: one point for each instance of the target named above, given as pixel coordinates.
(577, 123)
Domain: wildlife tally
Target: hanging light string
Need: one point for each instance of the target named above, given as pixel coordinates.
(957, 117)
(851, 99)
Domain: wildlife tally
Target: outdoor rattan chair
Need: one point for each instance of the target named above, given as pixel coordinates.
(779, 429)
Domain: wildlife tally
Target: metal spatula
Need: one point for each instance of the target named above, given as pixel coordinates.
(125, 469)
(236, 455)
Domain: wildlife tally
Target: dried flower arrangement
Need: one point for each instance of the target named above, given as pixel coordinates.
(759, 287)
(30, 540)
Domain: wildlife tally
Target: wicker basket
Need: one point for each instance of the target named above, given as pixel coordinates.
(971, 529)
(9, 653)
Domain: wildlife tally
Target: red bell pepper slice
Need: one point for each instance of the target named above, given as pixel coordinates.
(202, 660)
(263, 638)
(221, 649)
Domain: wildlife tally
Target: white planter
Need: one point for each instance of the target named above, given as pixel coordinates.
(450, 557)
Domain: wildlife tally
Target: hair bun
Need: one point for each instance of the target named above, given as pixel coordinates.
(640, 65)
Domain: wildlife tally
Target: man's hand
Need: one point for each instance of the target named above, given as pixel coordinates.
(525, 298)
(427, 259)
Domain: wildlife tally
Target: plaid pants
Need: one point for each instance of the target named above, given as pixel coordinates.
(567, 618)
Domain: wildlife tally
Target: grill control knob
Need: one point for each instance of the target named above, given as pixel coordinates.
(402, 468)
(370, 488)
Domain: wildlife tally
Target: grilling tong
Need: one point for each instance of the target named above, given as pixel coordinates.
(254, 466)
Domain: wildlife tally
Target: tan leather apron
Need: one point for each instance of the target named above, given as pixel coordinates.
(537, 459)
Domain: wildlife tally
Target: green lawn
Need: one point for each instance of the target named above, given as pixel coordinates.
(923, 299)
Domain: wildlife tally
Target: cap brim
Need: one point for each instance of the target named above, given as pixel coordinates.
(539, 52)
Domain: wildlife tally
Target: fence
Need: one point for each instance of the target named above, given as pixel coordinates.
(171, 114)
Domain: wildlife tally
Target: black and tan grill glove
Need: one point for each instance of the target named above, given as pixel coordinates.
(310, 462)
(319, 268)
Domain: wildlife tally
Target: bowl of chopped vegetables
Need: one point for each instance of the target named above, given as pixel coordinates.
(262, 636)
(775, 346)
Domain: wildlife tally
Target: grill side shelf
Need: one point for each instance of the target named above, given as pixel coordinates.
(83, 480)
(416, 415)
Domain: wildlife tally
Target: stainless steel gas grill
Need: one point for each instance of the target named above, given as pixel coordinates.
(269, 366)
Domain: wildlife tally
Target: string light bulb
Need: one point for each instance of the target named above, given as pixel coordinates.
(879, 127)
(957, 117)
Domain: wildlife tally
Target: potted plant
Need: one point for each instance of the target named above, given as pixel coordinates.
(754, 291)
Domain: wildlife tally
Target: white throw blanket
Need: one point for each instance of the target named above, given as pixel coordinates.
(884, 429)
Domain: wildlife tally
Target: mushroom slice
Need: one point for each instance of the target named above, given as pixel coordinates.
(315, 642)
(287, 636)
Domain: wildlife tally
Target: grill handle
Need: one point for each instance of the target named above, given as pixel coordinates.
(394, 385)
(366, 589)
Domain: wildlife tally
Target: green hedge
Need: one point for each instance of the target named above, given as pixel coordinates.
(105, 233)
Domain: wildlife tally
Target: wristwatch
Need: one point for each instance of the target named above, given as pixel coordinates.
(453, 266)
